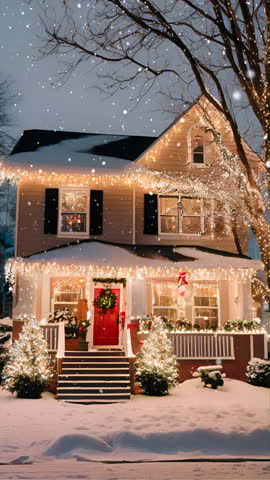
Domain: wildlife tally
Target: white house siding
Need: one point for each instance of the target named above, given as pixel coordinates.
(117, 219)
(25, 295)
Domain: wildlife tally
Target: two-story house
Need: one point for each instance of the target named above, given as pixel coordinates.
(126, 212)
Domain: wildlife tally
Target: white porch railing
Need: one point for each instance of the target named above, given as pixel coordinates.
(127, 344)
(54, 333)
(202, 345)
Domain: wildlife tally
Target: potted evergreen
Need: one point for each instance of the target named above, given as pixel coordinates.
(82, 332)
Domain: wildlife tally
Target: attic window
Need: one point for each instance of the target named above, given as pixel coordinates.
(74, 212)
(198, 150)
(199, 144)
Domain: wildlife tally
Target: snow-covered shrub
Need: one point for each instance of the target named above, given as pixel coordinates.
(210, 375)
(156, 367)
(258, 372)
(5, 333)
(69, 319)
(28, 370)
(212, 378)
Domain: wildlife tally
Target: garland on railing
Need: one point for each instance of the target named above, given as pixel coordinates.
(111, 280)
(178, 326)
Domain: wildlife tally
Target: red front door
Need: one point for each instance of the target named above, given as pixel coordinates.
(106, 325)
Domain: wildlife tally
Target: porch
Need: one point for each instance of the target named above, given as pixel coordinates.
(232, 350)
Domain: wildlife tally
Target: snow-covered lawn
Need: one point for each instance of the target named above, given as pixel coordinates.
(192, 422)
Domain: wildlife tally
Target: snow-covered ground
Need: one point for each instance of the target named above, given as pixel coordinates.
(192, 422)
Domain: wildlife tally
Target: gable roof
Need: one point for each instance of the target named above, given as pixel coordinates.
(201, 100)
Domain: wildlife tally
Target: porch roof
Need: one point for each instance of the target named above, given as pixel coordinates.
(100, 259)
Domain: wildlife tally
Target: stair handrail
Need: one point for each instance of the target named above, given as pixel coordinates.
(127, 342)
(61, 340)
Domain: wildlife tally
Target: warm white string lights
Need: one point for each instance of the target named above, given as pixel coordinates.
(20, 266)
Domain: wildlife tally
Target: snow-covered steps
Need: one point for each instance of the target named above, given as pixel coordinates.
(96, 376)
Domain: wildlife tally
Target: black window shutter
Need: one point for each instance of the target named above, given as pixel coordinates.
(150, 214)
(51, 210)
(96, 212)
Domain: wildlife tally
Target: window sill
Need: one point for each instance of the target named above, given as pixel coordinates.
(185, 235)
(73, 235)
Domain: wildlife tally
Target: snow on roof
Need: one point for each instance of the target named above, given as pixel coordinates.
(82, 154)
(98, 253)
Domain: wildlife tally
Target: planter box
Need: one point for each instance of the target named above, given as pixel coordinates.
(83, 345)
(72, 344)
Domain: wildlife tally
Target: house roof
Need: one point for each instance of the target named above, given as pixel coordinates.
(120, 146)
(120, 255)
(74, 152)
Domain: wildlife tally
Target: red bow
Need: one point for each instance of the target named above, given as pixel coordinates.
(182, 278)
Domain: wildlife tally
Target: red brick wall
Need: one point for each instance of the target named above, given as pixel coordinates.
(233, 368)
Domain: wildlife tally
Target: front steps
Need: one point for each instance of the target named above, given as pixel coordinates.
(100, 376)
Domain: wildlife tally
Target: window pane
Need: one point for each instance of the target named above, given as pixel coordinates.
(169, 313)
(168, 205)
(191, 225)
(73, 222)
(213, 302)
(191, 206)
(198, 157)
(206, 316)
(74, 202)
(169, 224)
(164, 294)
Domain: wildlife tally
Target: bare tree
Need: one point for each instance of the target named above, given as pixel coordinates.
(7, 98)
(212, 47)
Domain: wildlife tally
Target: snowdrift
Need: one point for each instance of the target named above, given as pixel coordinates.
(192, 422)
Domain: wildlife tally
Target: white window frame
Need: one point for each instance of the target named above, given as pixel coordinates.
(174, 307)
(205, 284)
(82, 190)
(190, 149)
(199, 164)
(74, 280)
(180, 217)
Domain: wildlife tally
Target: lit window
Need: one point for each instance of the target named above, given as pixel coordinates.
(164, 300)
(74, 212)
(205, 305)
(66, 293)
(169, 215)
(181, 215)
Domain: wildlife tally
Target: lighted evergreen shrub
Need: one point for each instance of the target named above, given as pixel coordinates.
(28, 370)
(156, 367)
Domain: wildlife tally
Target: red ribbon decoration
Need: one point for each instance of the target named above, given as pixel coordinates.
(182, 278)
(182, 281)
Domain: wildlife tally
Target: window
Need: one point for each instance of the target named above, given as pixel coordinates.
(205, 304)
(200, 146)
(66, 293)
(74, 212)
(164, 300)
(181, 215)
(198, 150)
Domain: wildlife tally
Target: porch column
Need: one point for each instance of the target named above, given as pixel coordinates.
(138, 297)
